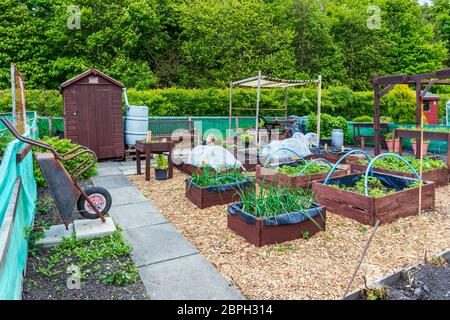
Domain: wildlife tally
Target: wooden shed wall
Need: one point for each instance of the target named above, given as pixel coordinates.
(93, 116)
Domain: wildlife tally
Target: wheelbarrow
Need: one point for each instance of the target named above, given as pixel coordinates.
(65, 188)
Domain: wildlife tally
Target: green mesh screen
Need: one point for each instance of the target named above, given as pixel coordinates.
(11, 275)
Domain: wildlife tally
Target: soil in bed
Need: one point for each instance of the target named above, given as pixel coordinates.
(105, 267)
(426, 282)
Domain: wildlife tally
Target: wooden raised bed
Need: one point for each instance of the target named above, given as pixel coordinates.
(205, 197)
(271, 177)
(368, 210)
(260, 232)
(439, 176)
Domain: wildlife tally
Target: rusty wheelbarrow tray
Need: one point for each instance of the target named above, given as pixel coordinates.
(65, 188)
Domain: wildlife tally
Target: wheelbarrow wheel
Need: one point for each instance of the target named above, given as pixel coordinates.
(101, 199)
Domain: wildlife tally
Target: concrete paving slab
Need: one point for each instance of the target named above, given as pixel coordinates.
(109, 164)
(187, 278)
(112, 182)
(130, 172)
(136, 215)
(157, 243)
(126, 195)
(54, 235)
(94, 228)
(108, 171)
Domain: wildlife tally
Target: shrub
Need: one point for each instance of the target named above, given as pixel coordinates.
(402, 104)
(62, 146)
(363, 119)
(327, 124)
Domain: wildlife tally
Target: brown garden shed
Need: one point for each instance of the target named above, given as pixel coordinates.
(92, 103)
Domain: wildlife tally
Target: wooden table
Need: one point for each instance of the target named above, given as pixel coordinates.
(384, 127)
(149, 148)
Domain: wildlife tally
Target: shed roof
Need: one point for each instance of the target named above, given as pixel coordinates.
(268, 82)
(87, 73)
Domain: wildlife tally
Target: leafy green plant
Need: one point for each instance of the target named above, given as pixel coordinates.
(62, 146)
(127, 273)
(294, 171)
(161, 162)
(45, 205)
(115, 267)
(413, 140)
(34, 234)
(376, 188)
(210, 178)
(395, 164)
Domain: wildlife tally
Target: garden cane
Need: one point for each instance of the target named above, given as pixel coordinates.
(366, 248)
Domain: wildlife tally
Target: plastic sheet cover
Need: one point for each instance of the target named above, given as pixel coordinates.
(215, 157)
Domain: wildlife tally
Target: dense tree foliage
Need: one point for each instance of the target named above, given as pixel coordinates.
(204, 43)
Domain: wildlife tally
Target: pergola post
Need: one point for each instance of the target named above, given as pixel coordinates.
(319, 105)
(286, 102)
(419, 117)
(231, 105)
(13, 95)
(376, 119)
(258, 97)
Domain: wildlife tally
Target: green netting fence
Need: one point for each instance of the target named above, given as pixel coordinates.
(13, 242)
(220, 124)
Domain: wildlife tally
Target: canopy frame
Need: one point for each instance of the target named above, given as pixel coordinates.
(263, 82)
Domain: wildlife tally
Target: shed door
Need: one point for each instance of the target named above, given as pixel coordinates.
(96, 122)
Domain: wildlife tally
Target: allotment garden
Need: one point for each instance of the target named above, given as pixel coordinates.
(252, 207)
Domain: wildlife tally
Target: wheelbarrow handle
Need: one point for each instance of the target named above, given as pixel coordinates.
(61, 157)
(92, 157)
(30, 141)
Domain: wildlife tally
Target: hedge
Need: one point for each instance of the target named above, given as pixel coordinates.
(338, 101)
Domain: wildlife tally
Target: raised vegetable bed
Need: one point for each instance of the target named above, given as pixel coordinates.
(207, 190)
(286, 174)
(261, 231)
(433, 170)
(395, 198)
(276, 215)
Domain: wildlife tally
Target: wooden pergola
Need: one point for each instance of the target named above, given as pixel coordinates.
(382, 85)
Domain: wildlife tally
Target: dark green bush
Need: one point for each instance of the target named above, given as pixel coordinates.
(61, 146)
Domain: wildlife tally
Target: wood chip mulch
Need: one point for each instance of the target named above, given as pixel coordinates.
(317, 268)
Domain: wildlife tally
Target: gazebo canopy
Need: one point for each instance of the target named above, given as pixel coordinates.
(268, 82)
(263, 82)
